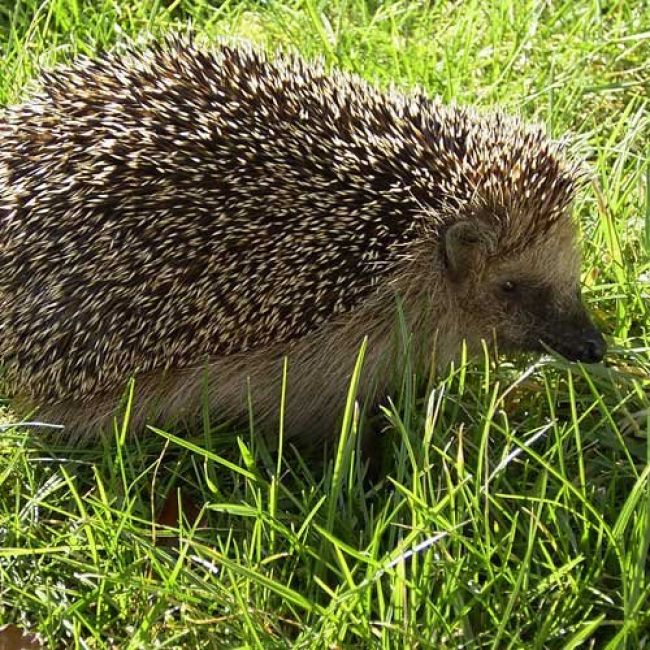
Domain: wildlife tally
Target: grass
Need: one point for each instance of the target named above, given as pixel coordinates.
(515, 511)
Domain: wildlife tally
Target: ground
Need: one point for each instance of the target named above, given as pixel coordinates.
(515, 507)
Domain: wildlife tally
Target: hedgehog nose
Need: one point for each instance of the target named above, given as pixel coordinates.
(593, 348)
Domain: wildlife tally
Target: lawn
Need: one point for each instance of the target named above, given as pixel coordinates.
(513, 509)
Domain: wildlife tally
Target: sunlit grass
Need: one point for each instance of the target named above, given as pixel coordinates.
(514, 504)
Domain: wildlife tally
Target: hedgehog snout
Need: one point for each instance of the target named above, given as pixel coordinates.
(585, 344)
(591, 349)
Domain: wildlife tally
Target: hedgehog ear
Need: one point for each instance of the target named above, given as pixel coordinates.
(467, 244)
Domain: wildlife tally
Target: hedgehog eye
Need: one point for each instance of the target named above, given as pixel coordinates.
(508, 286)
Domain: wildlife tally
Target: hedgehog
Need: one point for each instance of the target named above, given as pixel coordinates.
(194, 216)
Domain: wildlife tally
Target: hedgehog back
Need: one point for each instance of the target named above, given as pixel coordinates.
(162, 207)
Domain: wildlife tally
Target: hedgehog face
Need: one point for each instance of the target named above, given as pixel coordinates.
(528, 300)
